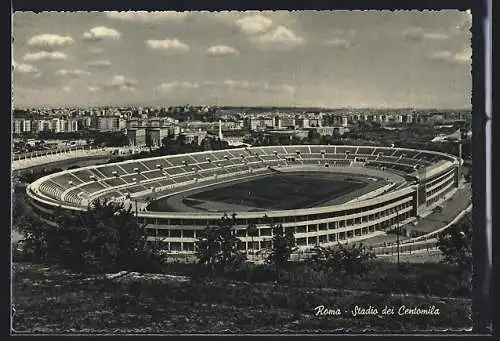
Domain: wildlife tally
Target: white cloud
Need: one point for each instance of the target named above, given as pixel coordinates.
(462, 57)
(280, 37)
(283, 88)
(71, 73)
(24, 68)
(92, 88)
(44, 55)
(145, 17)
(254, 24)
(96, 51)
(227, 85)
(100, 33)
(99, 64)
(436, 36)
(176, 85)
(419, 34)
(67, 89)
(119, 80)
(256, 86)
(121, 83)
(338, 42)
(221, 50)
(50, 42)
(167, 44)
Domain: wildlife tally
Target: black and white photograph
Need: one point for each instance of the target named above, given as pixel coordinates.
(241, 172)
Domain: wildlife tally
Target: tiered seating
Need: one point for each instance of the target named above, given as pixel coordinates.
(256, 150)
(153, 174)
(73, 198)
(174, 171)
(76, 179)
(115, 194)
(130, 178)
(403, 168)
(398, 153)
(268, 157)
(142, 175)
(135, 189)
(382, 151)
(252, 159)
(93, 187)
(388, 159)
(343, 149)
(166, 182)
(83, 174)
(365, 151)
(176, 160)
(108, 170)
(183, 178)
(64, 180)
(52, 190)
(207, 165)
(113, 182)
(341, 163)
(153, 164)
(330, 156)
(132, 166)
(280, 150)
(293, 150)
(197, 158)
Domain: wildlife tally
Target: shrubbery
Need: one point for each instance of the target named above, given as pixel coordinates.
(456, 245)
(343, 258)
(105, 238)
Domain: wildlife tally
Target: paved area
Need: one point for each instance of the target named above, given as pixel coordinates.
(431, 256)
(451, 208)
(54, 158)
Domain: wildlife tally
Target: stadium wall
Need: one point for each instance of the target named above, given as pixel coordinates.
(432, 183)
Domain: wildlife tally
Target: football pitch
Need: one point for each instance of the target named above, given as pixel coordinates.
(280, 191)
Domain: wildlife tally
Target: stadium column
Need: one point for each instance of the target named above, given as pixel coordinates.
(415, 202)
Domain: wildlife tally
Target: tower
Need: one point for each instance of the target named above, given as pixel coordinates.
(220, 130)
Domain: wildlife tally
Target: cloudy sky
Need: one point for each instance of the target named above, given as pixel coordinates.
(302, 58)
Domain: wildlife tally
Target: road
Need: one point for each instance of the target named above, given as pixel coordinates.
(451, 208)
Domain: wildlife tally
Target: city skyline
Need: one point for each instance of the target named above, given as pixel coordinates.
(329, 59)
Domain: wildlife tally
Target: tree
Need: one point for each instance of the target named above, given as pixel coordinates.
(34, 247)
(352, 258)
(104, 238)
(456, 244)
(217, 247)
(283, 245)
(252, 231)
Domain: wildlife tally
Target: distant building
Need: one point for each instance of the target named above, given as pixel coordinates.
(155, 135)
(21, 126)
(110, 123)
(86, 122)
(196, 136)
(303, 123)
(331, 130)
(136, 137)
(287, 122)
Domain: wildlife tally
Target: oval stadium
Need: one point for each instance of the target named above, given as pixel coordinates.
(325, 193)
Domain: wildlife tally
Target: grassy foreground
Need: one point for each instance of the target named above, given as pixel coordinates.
(48, 299)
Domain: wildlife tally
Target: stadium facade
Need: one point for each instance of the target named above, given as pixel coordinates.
(417, 181)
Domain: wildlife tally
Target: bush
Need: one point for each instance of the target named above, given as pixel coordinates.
(353, 258)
